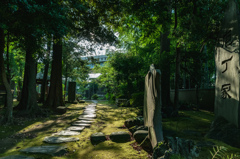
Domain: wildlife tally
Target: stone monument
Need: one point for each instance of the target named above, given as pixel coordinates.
(72, 92)
(152, 105)
(227, 66)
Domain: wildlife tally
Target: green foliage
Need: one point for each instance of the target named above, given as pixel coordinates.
(95, 97)
(219, 152)
(137, 99)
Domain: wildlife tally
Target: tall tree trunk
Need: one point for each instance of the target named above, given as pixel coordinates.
(8, 61)
(8, 117)
(44, 81)
(55, 96)
(165, 69)
(28, 101)
(177, 78)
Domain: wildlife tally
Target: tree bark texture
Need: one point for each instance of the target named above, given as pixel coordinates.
(8, 117)
(28, 101)
(165, 69)
(177, 78)
(44, 81)
(55, 96)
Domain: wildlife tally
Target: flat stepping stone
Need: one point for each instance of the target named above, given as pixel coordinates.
(61, 109)
(57, 140)
(140, 135)
(88, 116)
(120, 136)
(98, 137)
(76, 128)
(84, 121)
(67, 133)
(88, 113)
(81, 124)
(49, 150)
(89, 119)
(16, 157)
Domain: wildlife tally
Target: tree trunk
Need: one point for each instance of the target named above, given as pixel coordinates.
(28, 101)
(7, 118)
(44, 81)
(55, 96)
(165, 69)
(65, 88)
(177, 78)
(8, 61)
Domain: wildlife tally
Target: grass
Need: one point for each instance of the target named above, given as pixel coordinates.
(31, 132)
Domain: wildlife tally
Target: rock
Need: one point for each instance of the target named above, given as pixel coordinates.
(120, 136)
(159, 150)
(76, 128)
(98, 137)
(133, 122)
(186, 148)
(67, 133)
(49, 150)
(57, 140)
(222, 130)
(84, 121)
(81, 124)
(140, 135)
(16, 157)
(88, 119)
(61, 110)
(88, 116)
(136, 128)
(88, 113)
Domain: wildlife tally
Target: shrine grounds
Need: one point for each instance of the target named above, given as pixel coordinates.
(28, 132)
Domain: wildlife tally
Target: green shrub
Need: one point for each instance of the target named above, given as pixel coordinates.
(137, 99)
(95, 96)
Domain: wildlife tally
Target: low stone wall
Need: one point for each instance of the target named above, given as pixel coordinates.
(206, 97)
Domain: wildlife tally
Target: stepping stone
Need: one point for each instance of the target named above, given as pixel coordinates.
(98, 137)
(49, 150)
(88, 113)
(81, 124)
(140, 135)
(84, 121)
(120, 136)
(88, 116)
(67, 133)
(16, 157)
(57, 140)
(75, 128)
(89, 119)
(61, 109)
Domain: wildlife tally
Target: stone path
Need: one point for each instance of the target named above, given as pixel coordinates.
(84, 121)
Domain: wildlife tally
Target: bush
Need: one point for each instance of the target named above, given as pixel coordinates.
(137, 99)
(95, 96)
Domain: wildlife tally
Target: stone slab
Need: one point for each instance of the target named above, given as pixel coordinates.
(84, 121)
(88, 116)
(57, 140)
(140, 135)
(98, 137)
(76, 128)
(120, 136)
(88, 113)
(67, 133)
(16, 157)
(89, 119)
(49, 150)
(81, 124)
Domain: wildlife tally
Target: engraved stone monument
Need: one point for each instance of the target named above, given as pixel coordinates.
(153, 105)
(227, 66)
